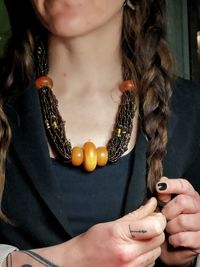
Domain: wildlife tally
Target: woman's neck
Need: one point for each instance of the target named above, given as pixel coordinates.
(91, 61)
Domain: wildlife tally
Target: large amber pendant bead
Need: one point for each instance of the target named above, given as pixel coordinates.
(77, 156)
(89, 156)
(102, 156)
(43, 81)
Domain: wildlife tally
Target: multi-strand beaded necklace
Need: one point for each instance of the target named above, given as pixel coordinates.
(89, 156)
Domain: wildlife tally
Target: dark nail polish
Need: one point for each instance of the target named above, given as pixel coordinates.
(162, 186)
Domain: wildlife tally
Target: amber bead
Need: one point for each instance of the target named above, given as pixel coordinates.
(54, 125)
(102, 156)
(43, 81)
(89, 156)
(128, 85)
(77, 156)
(119, 132)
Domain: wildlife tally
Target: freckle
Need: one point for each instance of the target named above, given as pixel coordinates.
(64, 74)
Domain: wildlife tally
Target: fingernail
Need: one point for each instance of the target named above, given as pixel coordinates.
(162, 186)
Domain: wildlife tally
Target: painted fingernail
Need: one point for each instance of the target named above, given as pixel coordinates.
(162, 186)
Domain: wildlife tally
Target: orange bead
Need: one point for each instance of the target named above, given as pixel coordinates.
(43, 81)
(77, 156)
(128, 85)
(102, 156)
(89, 156)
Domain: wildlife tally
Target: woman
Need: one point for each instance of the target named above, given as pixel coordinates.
(55, 200)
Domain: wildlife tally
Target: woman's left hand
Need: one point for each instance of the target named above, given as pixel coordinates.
(182, 212)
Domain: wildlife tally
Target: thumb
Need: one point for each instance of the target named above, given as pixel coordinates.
(143, 211)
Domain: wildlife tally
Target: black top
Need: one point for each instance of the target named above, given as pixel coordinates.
(95, 197)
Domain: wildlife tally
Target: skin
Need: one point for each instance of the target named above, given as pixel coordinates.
(183, 228)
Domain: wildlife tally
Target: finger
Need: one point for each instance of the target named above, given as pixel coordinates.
(143, 211)
(141, 247)
(175, 186)
(183, 223)
(186, 239)
(163, 199)
(137, 248)
(146, 228)
(148, 258)
(181, 204)
(177, 256)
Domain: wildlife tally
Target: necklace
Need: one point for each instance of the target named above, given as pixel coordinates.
(89, 156)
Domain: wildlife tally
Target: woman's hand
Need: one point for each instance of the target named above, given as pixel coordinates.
(183, 226)
(131, 241)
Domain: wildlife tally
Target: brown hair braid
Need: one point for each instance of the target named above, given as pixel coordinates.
(145, 56)
(153, 65)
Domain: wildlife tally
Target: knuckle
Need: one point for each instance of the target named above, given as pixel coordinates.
(185, 185)
(181, 222)
(179, 240)
(181, 200)
(158, 223)
(157, 228)
(196, 204)
(122, 256)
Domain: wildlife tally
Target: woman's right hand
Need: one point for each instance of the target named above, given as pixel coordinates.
(131, 241)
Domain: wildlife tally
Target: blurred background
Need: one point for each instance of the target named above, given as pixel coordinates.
(183, 35)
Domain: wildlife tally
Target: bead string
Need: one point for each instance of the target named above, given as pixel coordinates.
(89, 155)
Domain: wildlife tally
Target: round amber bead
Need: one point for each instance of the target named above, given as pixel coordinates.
(102, 156)
(89, 156)
(128, 85)
(77, 156)
(43, 81)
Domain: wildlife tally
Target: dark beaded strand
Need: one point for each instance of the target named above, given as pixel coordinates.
(55, 126)
(121, 135)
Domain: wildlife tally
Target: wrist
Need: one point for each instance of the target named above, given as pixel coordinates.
(72, 253)
(67, 254)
